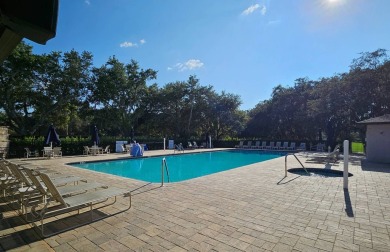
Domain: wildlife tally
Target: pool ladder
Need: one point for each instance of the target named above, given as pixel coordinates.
(285, 163)
(164, 165)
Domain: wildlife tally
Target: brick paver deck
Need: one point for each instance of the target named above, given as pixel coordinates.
(252, 208)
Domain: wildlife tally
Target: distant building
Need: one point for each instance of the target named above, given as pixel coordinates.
(378, 139)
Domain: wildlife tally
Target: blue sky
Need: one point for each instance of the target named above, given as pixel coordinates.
(245, 47)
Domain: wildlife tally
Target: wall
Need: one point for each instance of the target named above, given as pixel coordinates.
(4, 141)
(378, 143)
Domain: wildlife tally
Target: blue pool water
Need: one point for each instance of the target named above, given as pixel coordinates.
(181, 167)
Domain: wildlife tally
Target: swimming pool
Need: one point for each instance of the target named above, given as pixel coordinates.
(181, 167)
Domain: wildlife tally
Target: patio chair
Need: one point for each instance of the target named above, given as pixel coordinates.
(248, 145)
(8, 181)
(106, 150)
(21, 190)
(86, 150)
(189, 145)
(60, 179)
(271, 146)
(334, 155)
(263, 145)
(30, 153)
(65, 190)
(277, 146)
(257, 145)
(302, 147)
(128, 148)
(47, 152)
(292, 146)
(318, 147)
(196, 146)
(284, 146)
(178, 148)
(76, 202)
(24, 186)
(57, 152)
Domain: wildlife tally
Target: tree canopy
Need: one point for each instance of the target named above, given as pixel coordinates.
(66, 89)
(328, 107)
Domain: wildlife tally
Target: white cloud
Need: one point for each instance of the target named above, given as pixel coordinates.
(128, 44)
(188, 65)
(263, 10)
(87, 2)
(132, 44)
(253, 8)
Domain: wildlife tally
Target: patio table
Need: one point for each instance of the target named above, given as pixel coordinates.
(47, 152)
(96, 150)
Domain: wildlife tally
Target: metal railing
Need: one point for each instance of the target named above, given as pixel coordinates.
(285, 163)
(164, 165)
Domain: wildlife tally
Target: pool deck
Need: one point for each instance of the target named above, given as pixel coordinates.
(252, 208)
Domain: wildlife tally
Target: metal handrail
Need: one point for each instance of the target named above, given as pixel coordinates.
(164, 164)
(285, 163)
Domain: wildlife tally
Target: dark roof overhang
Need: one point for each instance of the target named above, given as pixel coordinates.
(35, 20)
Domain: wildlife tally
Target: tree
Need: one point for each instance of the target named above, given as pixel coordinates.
(192, 86)
(17, 78)
(119, 90)
(369, 77)
(35, 88)
(226, 120)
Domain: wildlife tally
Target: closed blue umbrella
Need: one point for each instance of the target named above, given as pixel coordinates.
(52, 136)
(95, 136)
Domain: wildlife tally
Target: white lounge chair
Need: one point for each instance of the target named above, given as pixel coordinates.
(248, 145)
(277, 146)
(270, 146)
(257, 145)
(334, 155)
(284, 146)
(263, 145)
(76, 202)
(240, 145)
(196, 145)
(178, 148)
(7, 180)
(318, 147)
(28, 191)
(302, 147)
(292, 146)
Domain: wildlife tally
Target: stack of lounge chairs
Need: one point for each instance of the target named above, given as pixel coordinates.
(262, 145)
(40, 194)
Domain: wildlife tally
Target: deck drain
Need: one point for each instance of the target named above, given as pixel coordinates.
(316, 172)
